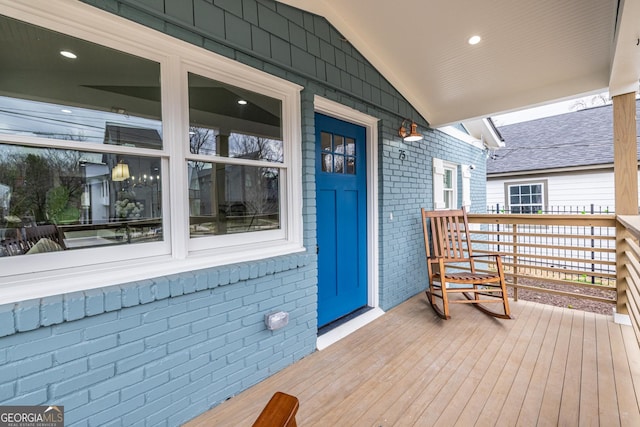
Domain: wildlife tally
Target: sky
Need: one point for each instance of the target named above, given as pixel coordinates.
(552, 109)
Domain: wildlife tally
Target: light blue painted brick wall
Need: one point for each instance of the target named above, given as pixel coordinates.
(408, 186)
(119, 363)
(162, 351)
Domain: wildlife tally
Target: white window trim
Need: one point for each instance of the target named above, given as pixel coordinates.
(543, 183)
(173, 255)
(439, 167)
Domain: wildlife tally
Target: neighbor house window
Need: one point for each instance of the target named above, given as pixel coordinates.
(96, 168)
(526, 198)
(445, 184)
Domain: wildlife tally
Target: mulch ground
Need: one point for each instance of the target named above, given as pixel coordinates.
(564, 301)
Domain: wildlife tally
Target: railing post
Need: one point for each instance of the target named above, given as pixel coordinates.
(625, 172)
(498, 226)
(514, 238)
(593, 254)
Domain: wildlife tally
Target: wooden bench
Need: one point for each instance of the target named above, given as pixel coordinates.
(26, 238)
(280, 411)
(49, 231)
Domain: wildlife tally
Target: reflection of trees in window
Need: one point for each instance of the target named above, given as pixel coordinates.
(65, 166)
(261, 190)
(30, 196)
(202, 140)
(10, 175)
(255, 148)
(239, 197)
(44, 186)
(205, 141)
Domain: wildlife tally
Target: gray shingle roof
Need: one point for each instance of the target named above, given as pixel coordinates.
(581, 138)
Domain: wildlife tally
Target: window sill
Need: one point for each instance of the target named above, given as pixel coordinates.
(31, 286)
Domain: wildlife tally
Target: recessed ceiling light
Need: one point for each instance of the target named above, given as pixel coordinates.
(68, 54)
(242, 102)
(66, 111)
(474, 40)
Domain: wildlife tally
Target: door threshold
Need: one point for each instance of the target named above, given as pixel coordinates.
(339, 332)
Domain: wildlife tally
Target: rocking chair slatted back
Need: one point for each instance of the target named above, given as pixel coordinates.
(448, 235)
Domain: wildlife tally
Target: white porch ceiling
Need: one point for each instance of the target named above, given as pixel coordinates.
(531, 53)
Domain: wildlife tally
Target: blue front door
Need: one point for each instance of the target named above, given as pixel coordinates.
(341, 195)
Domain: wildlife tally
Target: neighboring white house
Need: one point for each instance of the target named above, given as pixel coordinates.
(554, 162)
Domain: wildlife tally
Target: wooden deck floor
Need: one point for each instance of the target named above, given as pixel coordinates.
(548, 367)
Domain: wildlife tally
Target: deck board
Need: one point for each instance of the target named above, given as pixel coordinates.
(381, 387)
(549, 412)
(517, 391)
(589, 375)
(512, 365)
(535, 389)
(607, 398)
(473, 377)
(571, 390)
(548, 366)
(396, 393)
(509, 351)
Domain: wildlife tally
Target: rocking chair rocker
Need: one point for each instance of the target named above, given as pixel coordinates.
(448, 236)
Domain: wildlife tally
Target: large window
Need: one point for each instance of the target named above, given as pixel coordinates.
(102, 162)
(526, 198)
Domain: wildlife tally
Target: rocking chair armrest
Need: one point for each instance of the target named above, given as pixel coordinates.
(495, 255)
(436, 259)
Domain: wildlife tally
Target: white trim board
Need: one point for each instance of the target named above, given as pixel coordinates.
(621, 319)
(349, 327)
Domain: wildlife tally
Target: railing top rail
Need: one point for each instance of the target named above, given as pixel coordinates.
(546, 219)
(631, 222)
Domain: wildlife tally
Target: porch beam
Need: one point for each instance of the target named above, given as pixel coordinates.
(625, 171)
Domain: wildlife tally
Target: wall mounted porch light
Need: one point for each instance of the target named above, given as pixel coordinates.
(120, 172)
(413, 135)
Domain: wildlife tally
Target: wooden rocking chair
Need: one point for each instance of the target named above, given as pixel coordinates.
(451, 243)
(280, 411)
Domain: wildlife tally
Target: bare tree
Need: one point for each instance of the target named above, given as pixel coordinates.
(202, 140)
(594, 101)
(261, 190)
(65, 165)
(255, 147)
(260, 183)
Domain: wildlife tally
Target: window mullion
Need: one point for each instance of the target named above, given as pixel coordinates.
(175, 105)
